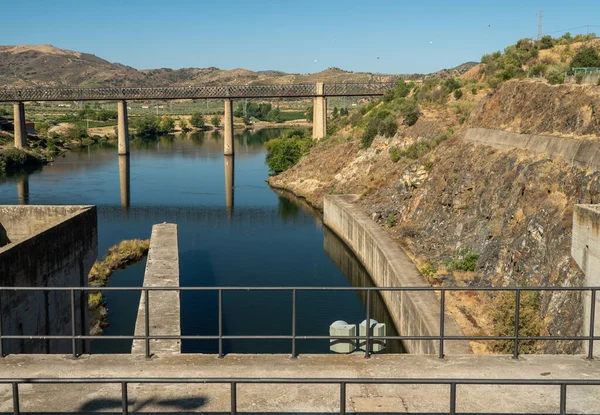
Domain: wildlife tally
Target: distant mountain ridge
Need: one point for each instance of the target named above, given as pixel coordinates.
(27, 66)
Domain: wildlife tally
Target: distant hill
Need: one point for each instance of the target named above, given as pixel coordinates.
(47, 66)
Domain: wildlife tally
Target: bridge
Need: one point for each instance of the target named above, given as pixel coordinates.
(318, 92)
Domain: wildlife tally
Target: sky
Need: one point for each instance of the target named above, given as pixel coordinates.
(381, 36)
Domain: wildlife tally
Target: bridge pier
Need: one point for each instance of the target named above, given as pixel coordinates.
(228, 128)
(123, 128)
(229, 183)
(124, 181)
(19, 125)
(320, 112)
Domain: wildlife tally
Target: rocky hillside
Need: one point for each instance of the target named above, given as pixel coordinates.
(46, 65)
(471, 215)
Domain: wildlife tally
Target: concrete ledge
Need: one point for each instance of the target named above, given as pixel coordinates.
(162, 270)
(308, 399)
(414, 313)
(580, 153)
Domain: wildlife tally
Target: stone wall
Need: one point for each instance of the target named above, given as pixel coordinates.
(581, 153)
(414, 313)
(46, 246)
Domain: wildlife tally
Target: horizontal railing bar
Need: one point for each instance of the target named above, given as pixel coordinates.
(587, 288)
(386, 381)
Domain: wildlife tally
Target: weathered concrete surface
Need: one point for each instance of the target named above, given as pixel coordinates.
(588, 78)
(320, 113)
(45, 246)
(580, 153)
(122, 128)
(228, 128)
(162, 270)
(414, 313)
(19, 125)
(301, 398)
(585, 250)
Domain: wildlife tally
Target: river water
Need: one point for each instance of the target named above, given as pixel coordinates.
(252, 236)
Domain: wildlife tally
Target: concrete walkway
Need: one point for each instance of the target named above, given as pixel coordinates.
(308, 399)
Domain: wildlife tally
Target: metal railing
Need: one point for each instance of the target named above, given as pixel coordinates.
(342, 382)
(441, 337)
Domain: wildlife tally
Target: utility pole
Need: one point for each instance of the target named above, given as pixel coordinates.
(540, 18)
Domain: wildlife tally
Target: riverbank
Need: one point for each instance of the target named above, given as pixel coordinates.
(119, 256)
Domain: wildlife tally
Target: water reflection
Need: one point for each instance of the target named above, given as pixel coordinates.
(229, 162)
(124, 181)
(23, 189)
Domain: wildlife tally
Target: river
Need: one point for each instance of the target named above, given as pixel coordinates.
(252, 236)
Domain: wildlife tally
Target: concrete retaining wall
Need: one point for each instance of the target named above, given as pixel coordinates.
(414, 313)
(585, 250)
(162, 270)
(589, 78)
(580, 153)
(45, 246)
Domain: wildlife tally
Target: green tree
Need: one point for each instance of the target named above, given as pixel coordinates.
(167, 124)
(147, 126)
(183, 125)
(546, 42)
(215, 121)
(458, 94)
(451, 84)
(335, 112)
(411, 112)
(197, 120)
(285, 152)
(586, 57)
(75, 133)
(274, 115)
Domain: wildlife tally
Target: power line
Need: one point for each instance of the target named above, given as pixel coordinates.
(572, 28)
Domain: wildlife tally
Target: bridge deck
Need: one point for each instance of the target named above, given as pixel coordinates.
(303, 398)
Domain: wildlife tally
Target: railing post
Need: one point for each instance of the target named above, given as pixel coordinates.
(233, 398)
(124, 399)
(517, 314)
(294, 354)
(15, 393)
(343, 398)
(563, 399)
(1, 340)
(147, 322)
(220, 293)
(592, 322)
(452, 398)
(73, 325)
(367, 342)
(442, 321)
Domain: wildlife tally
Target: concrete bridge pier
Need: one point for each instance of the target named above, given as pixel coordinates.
(19, 124)
(123, 128)
(124, 180)
(228, 127)
(320, 112)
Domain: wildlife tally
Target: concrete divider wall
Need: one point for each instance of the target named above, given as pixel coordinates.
(48, 246)
(414, 313)
(162, 270)
(580, 153)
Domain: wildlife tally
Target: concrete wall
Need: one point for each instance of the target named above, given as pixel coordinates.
(585, 250)
(49, 246)
(581, 153)
(162, 270)
(414, 313)
(590, 78)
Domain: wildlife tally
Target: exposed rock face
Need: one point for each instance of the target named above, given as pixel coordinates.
(513, 209)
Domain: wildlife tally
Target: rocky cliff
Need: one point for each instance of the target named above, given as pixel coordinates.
(475, 216)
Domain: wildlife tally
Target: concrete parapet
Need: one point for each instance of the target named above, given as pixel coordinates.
(585, 250)
(45, 246)
(414, 313)
(580, 153)
(162, 270)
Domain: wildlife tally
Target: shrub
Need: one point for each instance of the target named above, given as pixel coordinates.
(411, 112)
(147, 126)
(555, 77)
(538, 69)
(15, 159)
(395, 154)
(474, 91)
(370, 132)
(167, 124)
(546, 42)
(451, 84)
(215, 121)
(586, 57)
(458, 94)
(197, 120)
(75, 133)
(183, 125)
(462, 260)
(388, 126)
(391, 220)
(285, 152)
(579, 78)
(274, 115)
(389, 95)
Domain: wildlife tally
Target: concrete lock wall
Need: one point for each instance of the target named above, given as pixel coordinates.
(580, 153)
(414, 313)
(585, 250)
(45, 246)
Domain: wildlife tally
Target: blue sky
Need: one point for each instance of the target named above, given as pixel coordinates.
(387, 36)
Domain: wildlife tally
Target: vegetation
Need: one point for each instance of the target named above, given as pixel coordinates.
(197, 120)
(586, 57)
(151, 126)
(184, 125)
(89, 113)
(421, 147)
(285, 152)
(14, 159)
(215, 121)
(462, 260)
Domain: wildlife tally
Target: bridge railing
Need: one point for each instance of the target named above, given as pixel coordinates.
(368, 338)
(233, 383)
